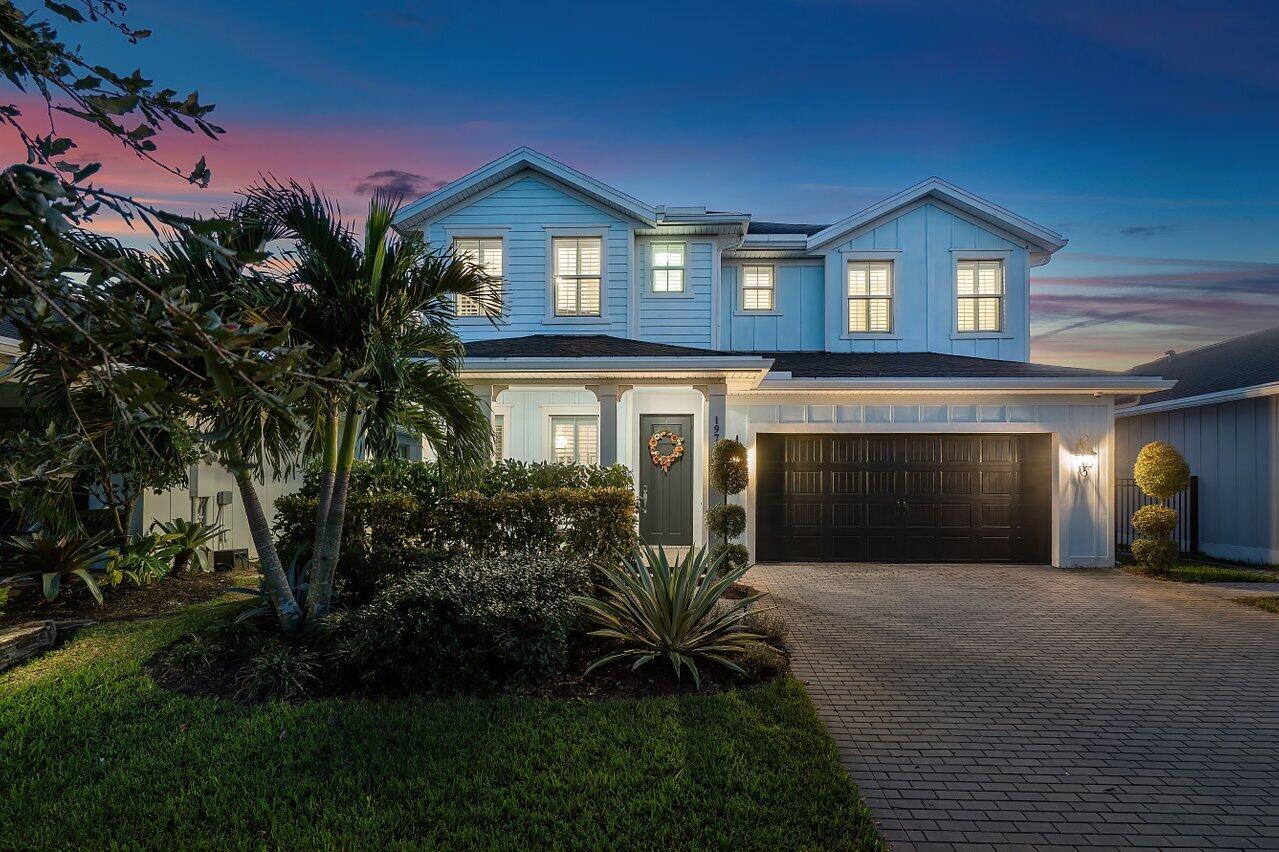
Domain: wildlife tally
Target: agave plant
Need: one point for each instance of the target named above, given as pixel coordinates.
(656, 609)
(52, 558)
(189, 539)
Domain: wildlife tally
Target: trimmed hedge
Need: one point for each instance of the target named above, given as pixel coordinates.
(1154, 521)
(727, 520)
(1156, 555)
(729, 471)
(1160, 470)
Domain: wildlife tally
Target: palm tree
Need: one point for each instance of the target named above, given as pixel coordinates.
(378, 311)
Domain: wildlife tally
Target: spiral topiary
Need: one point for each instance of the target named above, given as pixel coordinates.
(1160, 470)
(728, 470)
(728, 520)
(1154, 521)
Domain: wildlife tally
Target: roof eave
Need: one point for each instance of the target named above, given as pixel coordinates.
(1230, 395)
(1117, 385)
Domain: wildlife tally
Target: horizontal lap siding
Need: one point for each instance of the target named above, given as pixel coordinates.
(522, 211)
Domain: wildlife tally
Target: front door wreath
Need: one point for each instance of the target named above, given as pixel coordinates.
(665, 460)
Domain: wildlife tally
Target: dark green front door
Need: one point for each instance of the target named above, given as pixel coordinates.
(666, 497)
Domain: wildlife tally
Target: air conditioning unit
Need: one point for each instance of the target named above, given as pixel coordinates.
(229, 560)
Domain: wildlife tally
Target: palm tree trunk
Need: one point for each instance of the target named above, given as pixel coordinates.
(320, 593)
(327, 473)
(277, 584)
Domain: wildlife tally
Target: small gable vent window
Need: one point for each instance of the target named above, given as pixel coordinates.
(870, 296)
(979, 286)
(486, 253)
(577, 276)
(757, 288)
(668, 267)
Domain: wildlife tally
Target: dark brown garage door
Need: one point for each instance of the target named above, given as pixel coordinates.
(903, 498)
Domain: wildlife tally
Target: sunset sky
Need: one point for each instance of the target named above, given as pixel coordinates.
(1146, 132)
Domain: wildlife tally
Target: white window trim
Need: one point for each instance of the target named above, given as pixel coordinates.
(600, 232)
(582, 409)
(503, 316)
(853, 255)
(687, 292)
(956, 255)
(740, 304)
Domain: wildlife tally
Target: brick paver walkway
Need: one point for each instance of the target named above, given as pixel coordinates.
(1004, 706)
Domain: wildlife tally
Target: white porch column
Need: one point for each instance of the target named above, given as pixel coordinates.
(607, 396)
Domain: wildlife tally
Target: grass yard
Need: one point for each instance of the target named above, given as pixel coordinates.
(1270, 603)
(93, 753)
(1207, 574)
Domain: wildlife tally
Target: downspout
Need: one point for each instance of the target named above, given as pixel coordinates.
(717, 277)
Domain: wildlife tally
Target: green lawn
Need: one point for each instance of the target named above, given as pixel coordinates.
(1208, 574)
(1270, 603)
(94, 753)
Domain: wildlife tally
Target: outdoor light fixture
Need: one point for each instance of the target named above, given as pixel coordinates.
(1085, 455)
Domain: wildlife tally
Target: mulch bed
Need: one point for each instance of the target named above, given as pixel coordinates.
(120, 603)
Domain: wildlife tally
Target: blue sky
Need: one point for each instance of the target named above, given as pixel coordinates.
(1144, 131)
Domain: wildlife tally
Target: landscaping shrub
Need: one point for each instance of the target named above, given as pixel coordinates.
(278, 670)
(728, 469)
(512, 475)
(1155, 554)
(727, 520)
(47, 560)
(1154, 521)
(1160, 471)
(761, 660)
(768, 624)
(735, 555)
(464, 624)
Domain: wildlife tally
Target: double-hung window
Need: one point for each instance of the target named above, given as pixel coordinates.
(577, 273)
(870, 296)
(757, 288)
(979, 285)
(668, 267)
(575, 438)
(486, 253)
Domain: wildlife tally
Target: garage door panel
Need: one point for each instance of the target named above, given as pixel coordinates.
(903, 498)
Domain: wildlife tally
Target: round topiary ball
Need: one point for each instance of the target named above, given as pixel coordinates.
(1160, 470)
(1156, 555)
(729, 472)
(728, 520)
(736, 556)
(1154, 521)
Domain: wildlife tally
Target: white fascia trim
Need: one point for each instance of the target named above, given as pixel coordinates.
(615, 365)
(1232, 395)
(511, 164)
(1045, 239)
(783, 382)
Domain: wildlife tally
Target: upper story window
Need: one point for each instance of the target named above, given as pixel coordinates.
(757, 288)
(870, 296)
(575, 438)
(577, 275)
(486, 253)
(668, 267)
(979, 285)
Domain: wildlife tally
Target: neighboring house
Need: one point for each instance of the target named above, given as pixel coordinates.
(1223, 415)
(875, 368)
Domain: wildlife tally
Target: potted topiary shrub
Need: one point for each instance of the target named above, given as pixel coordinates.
(729, 475)
(1161, 473)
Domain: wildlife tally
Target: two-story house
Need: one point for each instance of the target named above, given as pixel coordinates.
(875, 368)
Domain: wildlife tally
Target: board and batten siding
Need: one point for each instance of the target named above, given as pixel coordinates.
(684, 318)
(1233, 447)
(524, 212)
(795, 324)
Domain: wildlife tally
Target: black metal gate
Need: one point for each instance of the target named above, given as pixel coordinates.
(1129, 498)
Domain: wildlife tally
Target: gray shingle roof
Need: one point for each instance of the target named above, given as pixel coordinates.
(1239, 363)
(800, 364)
(7, 328)
(784, 228)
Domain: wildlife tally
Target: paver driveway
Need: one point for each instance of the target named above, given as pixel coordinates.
(1031, 706)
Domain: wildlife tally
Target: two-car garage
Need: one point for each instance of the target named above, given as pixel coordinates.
(903, 497)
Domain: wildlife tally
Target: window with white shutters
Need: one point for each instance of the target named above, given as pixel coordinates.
(578, 277)
(499, 436)
(870, 296)
(575, 439)
(757, 288)
(668, 267)
(486, 253)
(979, 285)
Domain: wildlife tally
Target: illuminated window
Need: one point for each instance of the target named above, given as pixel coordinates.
(668, 267)
(575, 439)
(577, 275)
(980, 288)
(499, 435)
(757, 288)
(485, 253)
(870, 296)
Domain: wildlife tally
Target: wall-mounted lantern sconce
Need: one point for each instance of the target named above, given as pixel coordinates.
(1085, 456)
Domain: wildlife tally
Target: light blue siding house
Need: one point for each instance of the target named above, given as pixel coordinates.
(875, 368)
